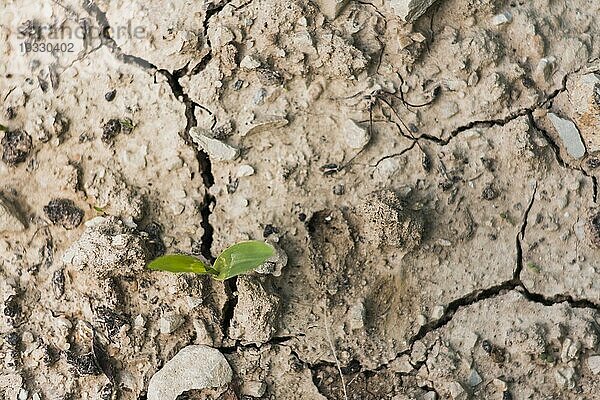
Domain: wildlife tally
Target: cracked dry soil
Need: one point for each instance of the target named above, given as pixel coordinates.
(441, 230)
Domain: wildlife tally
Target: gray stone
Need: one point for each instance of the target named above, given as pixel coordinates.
(170, 322)
(474, 378)
(410, 10)
(194, 367)
(356, 136)
(593, 363)
(215, 149)
(569, 134)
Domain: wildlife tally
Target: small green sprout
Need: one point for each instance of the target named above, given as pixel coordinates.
(235, 260)
(3, 128)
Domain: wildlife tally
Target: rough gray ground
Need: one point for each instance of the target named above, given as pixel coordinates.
(433, 184)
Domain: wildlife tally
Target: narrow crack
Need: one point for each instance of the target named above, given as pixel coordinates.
(106, 40)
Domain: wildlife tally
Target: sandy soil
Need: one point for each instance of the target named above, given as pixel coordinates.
(429, 174)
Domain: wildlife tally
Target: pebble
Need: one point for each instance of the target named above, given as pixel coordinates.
(216, 149)
(170, 322)
(474, 378)
(210, 369)
(244, 170)
(569, 134)
(502, 18)
(249, 62)
(543, 70)
(593, 363)
(356, 136)
(438, 312)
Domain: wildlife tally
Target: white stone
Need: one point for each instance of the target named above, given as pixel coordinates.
(543, 70)
(194, 367)
(438, 312)
(569, 134)
(170, 322)
(216, 149)
(356, 136)
(249, 62)
(593, 363)
(502, 18)
(244, 170)
(410, 10)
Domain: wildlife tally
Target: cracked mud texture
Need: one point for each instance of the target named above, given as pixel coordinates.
(441, 241)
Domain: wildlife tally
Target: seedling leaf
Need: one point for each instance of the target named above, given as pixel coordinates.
(180, 263)
(242, 257)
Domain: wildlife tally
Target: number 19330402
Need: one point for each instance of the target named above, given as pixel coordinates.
(47, 47)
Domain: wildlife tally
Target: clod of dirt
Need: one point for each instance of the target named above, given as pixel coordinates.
(111, 129)
(410, 10)
(64, 212)
(108, 246)
(255, 314)
(569, 134)
(9, 219)
(194, 367)
(17, 146)
(387, 221)
(113, 196)
(216, 149)
(356, 136)
(84, 364)
(593, 228)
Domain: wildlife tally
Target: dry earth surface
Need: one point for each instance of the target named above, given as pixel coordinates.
(428, 172)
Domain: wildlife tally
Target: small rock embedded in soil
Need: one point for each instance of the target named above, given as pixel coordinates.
(216, 149)
(387, 221)
(170, 322)
(64, 212)
(356, 136)
(194, 367)
(593, 363)
(9, 219)
(110, 96)
(410, 10)
(255, 314)
(502, 18)
(569, 134)
(16, 146)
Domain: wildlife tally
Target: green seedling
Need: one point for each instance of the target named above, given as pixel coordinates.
(240, 258)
